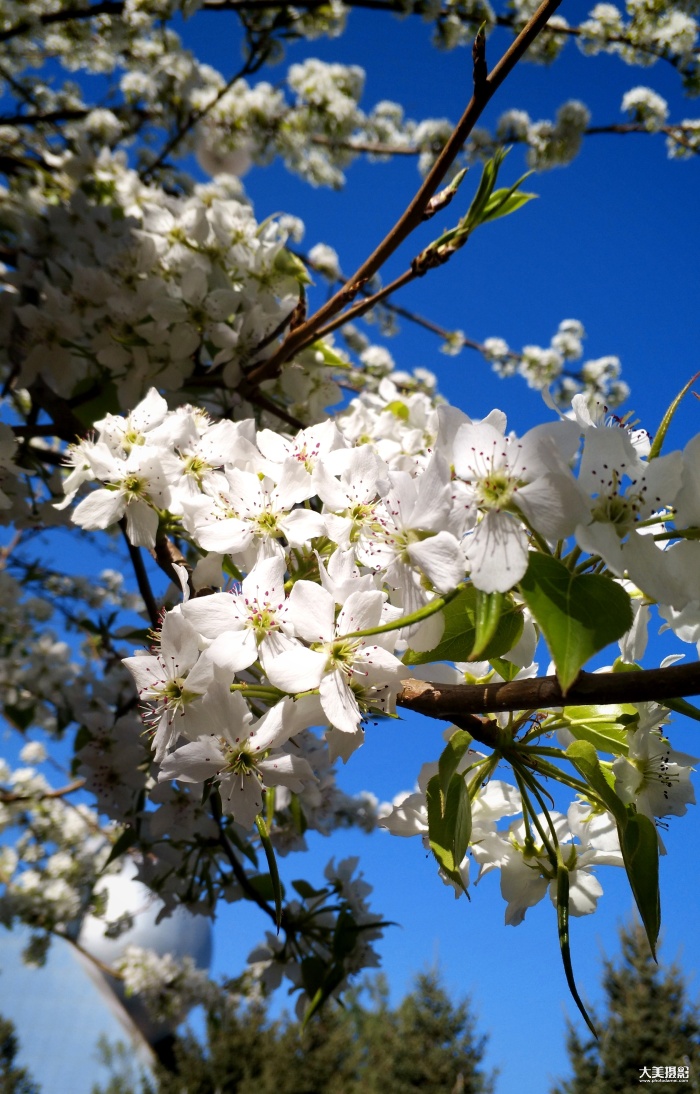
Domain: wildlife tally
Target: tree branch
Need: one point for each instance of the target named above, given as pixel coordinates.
(116, 8)
(141, 576)
(452, 702)
(8, 797)
(413, 214)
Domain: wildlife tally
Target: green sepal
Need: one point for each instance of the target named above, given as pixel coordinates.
(449, 824)
(277, 889)
(289, 265)
(564, 945)
(579, 614)
(460, 631)
(330, 356)
(661, 432)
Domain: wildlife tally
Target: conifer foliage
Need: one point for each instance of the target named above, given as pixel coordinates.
(650, 1031)
(13, 1079)
(426, 1043)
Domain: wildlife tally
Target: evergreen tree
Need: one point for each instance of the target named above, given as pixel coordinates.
(427, 1043)
(13, 1080)
(238, 1044)
(649, 1023)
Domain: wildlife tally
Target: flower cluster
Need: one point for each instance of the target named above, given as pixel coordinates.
(344, 554)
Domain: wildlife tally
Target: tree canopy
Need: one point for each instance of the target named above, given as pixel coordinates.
(299, 537)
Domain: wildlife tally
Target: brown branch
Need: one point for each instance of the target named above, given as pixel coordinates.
(368, 303)
(413, 215)
(168, 556)
(452, 702)
(142, 580)
(377, 148)
(116, 8)
(8, 797)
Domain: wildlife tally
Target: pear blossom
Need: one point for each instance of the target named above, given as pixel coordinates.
(242, 626)
(136, 490)
(250, 516)
(653, 775)
(241, 752)
(171, 679)
(505, 478)
(352, 673)
(622, 490)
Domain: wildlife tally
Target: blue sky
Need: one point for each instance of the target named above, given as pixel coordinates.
(612, 241)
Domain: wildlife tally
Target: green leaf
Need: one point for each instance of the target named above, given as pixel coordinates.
(505, 668)
(20, 717)
(335, 976)
(263, 885)
(105, 400)
(564, 945)
(126, 840)
(585, 758)
(605, 737)
(306, 891)
(484, 189)
(661, 432)
(504, 202)
(448, 763)
(638, 840)
(449, 824)
(640, 852)
(488, 613)
(682, 706)
(398, 409)
(579, 614)
(298, 815)
(81, 739)
(599, 726)
(459, 636)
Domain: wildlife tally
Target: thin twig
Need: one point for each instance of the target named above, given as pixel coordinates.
(8, 797)
(368, 303)
(252, 64)
(116, 8)
(141, 576)
(414, 213)
(240, 874)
